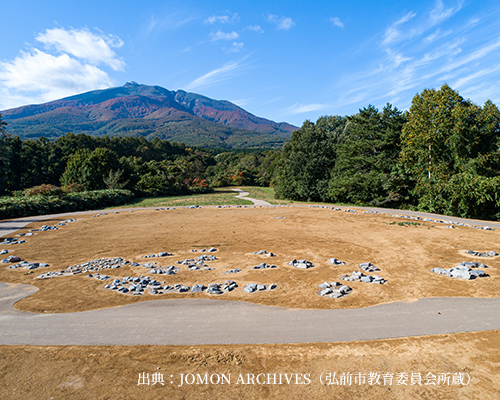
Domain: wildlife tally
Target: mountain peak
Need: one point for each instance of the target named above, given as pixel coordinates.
(152, 111)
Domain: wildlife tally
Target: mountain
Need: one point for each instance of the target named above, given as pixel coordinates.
(150, 111)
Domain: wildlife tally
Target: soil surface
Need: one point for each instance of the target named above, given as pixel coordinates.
(427, 365)
(404, 250)
(405, 253)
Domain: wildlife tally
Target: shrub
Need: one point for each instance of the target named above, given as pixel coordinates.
(73, 188)
(43, 190)
(16, 207)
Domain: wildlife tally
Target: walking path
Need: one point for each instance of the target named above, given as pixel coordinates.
(243, 195)
(193, 321)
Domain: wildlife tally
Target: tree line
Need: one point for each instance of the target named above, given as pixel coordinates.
(146, 167)
(441, 156)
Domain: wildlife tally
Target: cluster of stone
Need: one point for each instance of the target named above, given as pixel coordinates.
(301, 264)
(25, 234)
(264, 253)
(28, 265)
(233, 271)
(452, 224)
(133, 285)
(98, 215)
(254, 287)
(482, 254)
(368, 267)
(210, 250)
(160, 254)
(159, 270)
(138, 285)
(463, 271)
(97, 265)
(11, 259)
(264, 266)
(198, 263)
(335, 290)
(358, 276)
(12, 240)
(335, 261)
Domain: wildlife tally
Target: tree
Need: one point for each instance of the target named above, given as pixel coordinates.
(90, 168)
(365, 157)
(450, 143)
(307, 160)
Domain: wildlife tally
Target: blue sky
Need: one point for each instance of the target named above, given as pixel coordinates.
(282, 60)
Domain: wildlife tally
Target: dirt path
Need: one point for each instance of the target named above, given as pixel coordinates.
(198, 322)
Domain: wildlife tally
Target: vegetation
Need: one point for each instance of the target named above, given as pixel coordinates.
(22, 206)
(441, 156)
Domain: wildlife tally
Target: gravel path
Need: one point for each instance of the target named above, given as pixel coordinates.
(193, 321)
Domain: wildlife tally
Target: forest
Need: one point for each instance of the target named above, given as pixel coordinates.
(442, 156)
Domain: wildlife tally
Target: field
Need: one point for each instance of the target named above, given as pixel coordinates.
(404, 251)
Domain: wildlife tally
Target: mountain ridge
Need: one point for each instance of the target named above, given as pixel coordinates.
(151, 111)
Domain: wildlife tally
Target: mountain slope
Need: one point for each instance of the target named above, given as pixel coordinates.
(150, 111)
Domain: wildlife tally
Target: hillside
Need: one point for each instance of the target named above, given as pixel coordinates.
(149, 111)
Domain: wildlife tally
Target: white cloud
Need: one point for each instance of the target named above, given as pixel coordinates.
(255, 28)
(69, 65)
(282, 23)
(305, 108)
(219, 35)
(215, 76)
(337, 22)
(439, 13)
(393, 34)
(222, 19)
(236, 47)
(83, 44)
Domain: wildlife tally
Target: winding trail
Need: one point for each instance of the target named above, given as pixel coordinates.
(193, 321)
(243, 195)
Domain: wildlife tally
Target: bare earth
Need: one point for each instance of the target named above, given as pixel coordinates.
(405, 255)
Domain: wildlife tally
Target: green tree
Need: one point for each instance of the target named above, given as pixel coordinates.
(449, 144)
(307, 160)
(365, 157)
(90, 168)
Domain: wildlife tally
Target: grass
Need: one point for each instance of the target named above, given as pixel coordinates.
(221, 196)
(264, 193)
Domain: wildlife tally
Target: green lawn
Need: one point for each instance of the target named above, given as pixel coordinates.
(221, 196)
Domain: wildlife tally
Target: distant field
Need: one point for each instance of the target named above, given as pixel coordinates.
(221, 196)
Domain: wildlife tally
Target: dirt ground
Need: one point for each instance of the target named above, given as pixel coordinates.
(427, 365)
(404, 253)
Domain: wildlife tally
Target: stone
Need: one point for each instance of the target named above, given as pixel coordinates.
(301, 264)
(368, 267)
(248, 289)
(335, 261)
(261, 287)
(272, 286)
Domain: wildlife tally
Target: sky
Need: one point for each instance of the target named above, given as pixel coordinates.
(281, 60)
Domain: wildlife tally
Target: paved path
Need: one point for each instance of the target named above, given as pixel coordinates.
(193, 321)
(243, 195)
